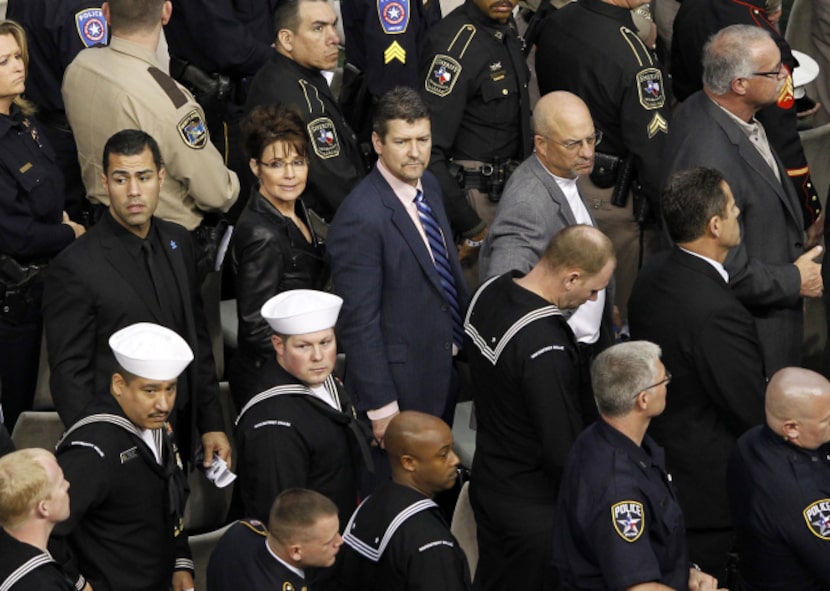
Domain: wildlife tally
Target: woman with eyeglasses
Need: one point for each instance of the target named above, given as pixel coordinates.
(33, 225)
(275, 247)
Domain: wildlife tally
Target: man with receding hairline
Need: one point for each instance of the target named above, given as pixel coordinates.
(541, 198)
(398, 538)
(779, 484)
(532, 400)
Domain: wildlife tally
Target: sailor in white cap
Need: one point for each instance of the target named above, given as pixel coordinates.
(128, 489)
(301, 430)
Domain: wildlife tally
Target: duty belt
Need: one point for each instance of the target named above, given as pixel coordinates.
(487, 177)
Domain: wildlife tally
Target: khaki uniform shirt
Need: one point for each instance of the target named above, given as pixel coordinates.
(124, 86)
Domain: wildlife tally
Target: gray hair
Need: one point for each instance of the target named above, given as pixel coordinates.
(727, 56)
(620, 372)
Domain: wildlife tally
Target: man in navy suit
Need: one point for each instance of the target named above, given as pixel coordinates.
(682, 301)
(395, 265)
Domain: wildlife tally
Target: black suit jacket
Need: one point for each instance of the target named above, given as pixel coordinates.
(711, 348)
(92, 290)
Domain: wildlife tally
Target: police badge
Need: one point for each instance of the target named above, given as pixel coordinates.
(323, 138)
(817, 516)
(628, 519)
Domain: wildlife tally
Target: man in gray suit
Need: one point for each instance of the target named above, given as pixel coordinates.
(716, 127)
(541, 198)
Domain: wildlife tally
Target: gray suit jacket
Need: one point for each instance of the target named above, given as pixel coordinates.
(761, 270)
(532, 210)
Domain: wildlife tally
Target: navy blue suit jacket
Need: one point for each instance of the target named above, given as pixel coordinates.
(395, 325)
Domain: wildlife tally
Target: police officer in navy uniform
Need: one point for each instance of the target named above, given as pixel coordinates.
(33, 498)
(619, 524)
(302, 533)
(591, 48)
(779, 487)
(307, 43)
(475, 80)
(56, 32)
(695, 22)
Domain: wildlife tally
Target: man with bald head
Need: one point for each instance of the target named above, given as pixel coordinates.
(541, 198)
(779, 487)
(398, 538)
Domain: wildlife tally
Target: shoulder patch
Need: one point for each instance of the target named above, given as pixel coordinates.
(193, 130)
(168, 85)
(650, 88)
(628, 519)
(324, 138)
(393, 15)
(91, 26)
(817, 516)
(443, 74)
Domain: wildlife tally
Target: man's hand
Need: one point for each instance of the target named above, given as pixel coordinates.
(700, 581)
(815, 232)
(810, 271)
(77, 228)
(216, 441)
(469, 247)
(182, 581)
(379, 429)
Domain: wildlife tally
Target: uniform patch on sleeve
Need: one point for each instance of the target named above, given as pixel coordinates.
(193, 130)
(393, 15)
(658, 123)
(628, 519)
(817, 516)
(650, 87)
(444, 72)
(324, 138)
(91, 26)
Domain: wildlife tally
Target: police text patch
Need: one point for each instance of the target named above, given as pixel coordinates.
(628, 519)
(650, 87)
(91, 26)
(324, 138)
(193, 130)
(817, 516)
(442, 76)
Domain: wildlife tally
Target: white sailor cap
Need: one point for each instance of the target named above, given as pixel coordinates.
(151, 351)
(806, 71)
(301, 311)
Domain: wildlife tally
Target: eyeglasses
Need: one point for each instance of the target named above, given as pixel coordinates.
(665, 380)
(575, 145)
(773, 73)
(279, 165)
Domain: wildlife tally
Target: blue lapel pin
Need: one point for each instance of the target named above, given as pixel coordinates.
(173, 245)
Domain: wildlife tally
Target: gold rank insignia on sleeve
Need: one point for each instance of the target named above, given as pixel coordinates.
(628, 519)
(658, 123)
(817, 516)
(394, 52)
(193, 130)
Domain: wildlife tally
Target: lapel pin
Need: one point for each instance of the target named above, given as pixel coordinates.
(173, 245)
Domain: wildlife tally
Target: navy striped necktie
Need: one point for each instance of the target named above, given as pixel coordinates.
(442, 263)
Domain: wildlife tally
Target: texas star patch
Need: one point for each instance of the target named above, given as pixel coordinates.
(193, 130)
(650, 88)
(324, 138)
(628, 519)
(442, 76)
(817, 516)
(393, 15)
(91, 26)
